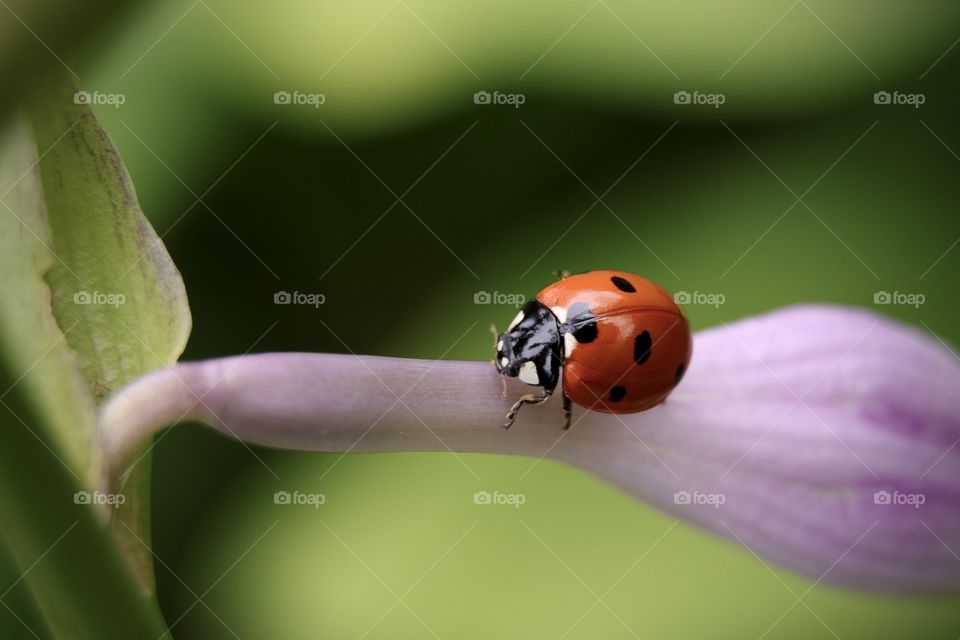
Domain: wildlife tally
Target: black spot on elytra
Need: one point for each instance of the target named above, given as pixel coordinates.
(582, 322)
(617, 393)
(641, 347)
(623, 284)
(678, 376)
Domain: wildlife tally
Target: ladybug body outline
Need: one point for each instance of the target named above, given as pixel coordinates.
(619, 340)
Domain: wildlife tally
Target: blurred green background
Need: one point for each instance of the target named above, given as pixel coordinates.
(254, 197)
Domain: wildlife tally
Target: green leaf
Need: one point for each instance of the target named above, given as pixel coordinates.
(91, 300)
(113, 282)
(33, 345)
(66, 553)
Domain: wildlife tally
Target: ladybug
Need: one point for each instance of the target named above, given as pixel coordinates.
(620, 341)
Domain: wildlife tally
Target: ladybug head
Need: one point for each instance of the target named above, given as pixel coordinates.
(530, 348)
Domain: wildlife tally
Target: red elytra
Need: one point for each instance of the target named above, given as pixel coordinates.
(621, 342)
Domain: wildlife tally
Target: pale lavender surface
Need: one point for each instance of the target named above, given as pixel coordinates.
(796, 418)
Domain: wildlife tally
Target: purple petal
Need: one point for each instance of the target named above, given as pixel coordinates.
(826, 439)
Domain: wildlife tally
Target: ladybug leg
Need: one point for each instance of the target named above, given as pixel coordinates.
(530, 398)
(566, 409)
(561, 274)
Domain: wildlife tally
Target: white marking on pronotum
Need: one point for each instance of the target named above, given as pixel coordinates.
(515, 321)
(500, 346)
(561, 314)
(504, 362)
(528, 373)
(569, 342)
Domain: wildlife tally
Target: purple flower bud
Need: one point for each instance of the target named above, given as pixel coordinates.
(826, 439)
